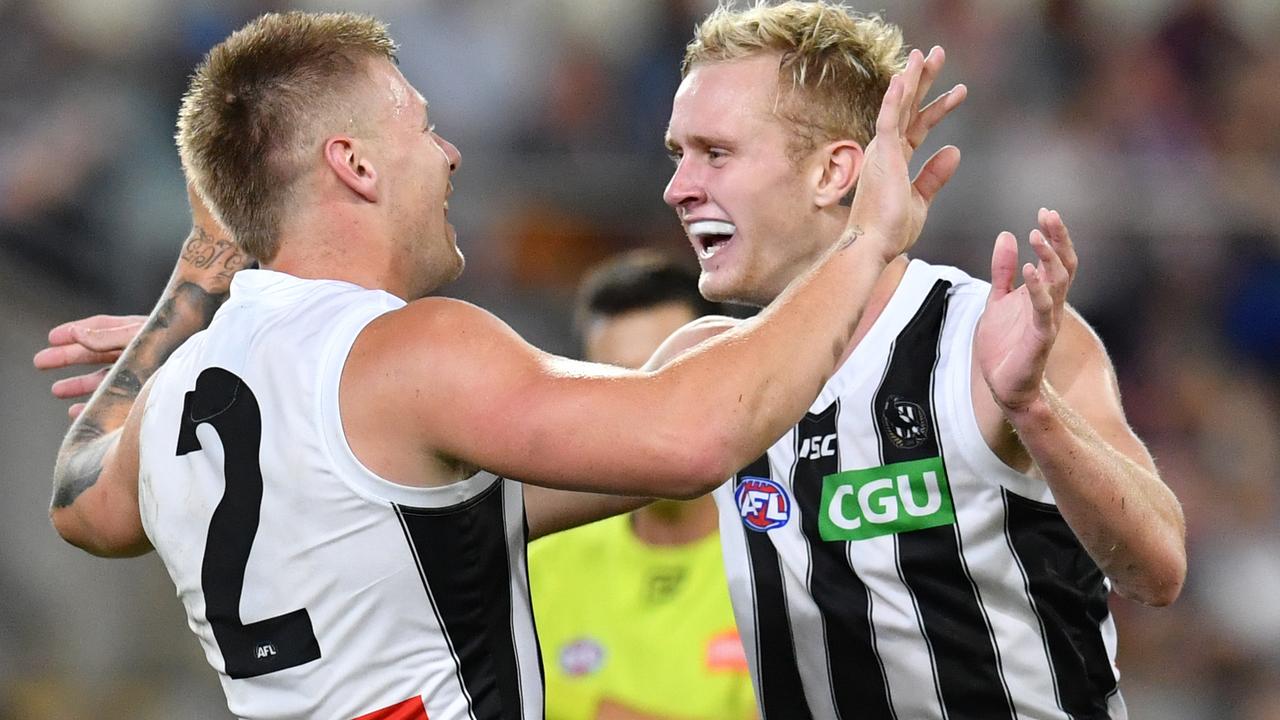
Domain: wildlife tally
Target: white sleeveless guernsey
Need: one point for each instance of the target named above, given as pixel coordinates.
(318, 589)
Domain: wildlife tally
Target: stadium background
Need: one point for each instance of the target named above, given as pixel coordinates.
(1154, 126)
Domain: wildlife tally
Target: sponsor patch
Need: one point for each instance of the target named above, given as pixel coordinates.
(762, 503)
(905, 496)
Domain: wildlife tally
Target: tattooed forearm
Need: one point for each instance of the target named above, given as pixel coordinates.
(186, 308)
(79, 471)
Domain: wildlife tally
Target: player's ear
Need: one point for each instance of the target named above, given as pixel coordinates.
(346, 159)
(838, 164)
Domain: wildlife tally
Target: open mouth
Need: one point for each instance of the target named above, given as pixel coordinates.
(710, 236)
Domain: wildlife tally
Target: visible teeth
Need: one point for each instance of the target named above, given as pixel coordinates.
(712, 227)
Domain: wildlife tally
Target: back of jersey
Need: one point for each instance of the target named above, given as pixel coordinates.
(317, 588)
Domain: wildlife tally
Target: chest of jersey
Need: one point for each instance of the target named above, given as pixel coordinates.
(884, 563)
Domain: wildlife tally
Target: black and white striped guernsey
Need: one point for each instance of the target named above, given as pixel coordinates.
(885, 564)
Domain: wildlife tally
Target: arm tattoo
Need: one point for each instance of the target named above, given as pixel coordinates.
(184, 309)
(80, 470)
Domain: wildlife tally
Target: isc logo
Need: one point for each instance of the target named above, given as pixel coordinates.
(817, 447)
(762, 503)
(905, 496)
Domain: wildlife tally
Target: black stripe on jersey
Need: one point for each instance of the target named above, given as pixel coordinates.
(1069, 595)
(781, 690)
(462, 556)
(857, 681)
(931, 561)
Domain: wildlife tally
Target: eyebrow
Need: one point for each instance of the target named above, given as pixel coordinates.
(699, 141)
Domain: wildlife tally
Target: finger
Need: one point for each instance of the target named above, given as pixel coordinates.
(1050, 269)
(910, 81)
(1055, 229)
(937, 171)
(1004, 263)
(52, 358)
(887, 120)
(1041, 300)
(933, 113)
(62, 334)
(933, 63)
(106, 339)
(74, 411)
(79, 386)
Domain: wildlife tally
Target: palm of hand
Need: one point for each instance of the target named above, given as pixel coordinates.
(1020, 325)
(1011, 350)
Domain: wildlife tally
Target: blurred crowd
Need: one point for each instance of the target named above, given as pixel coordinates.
(1153, 125)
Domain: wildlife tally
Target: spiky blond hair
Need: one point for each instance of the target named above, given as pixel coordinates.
(257, 105)
(834, 66)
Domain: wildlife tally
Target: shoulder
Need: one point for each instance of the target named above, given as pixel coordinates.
(436, 329)
(693, 333)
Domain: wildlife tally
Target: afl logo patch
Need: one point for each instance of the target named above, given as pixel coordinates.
(582, 656)
(904, 423)
(762, 503)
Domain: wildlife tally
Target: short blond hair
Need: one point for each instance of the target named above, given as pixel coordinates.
(834, 70)
(255, 109)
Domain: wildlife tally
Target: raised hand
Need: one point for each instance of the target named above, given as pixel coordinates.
(885, 194)
(95, 340)
(1019, 326)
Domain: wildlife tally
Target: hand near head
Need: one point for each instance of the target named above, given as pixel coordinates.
(886, 196)
(95, 340)
(1019, 326)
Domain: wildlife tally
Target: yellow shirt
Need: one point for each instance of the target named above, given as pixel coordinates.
(646, 626)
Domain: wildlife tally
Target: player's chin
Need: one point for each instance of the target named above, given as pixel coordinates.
(718, 285)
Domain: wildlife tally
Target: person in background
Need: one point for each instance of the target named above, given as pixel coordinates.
(633, 612)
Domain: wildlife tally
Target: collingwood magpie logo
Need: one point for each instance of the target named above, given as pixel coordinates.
(904, 423)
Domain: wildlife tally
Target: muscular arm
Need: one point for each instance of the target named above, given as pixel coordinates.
(1048, 377)
(1104, 481)
(470, 390)
(95, 477)
(549, 511)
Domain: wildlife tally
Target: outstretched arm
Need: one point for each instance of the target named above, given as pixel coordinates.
(95, 476)
(904, 124)
(1049, 378)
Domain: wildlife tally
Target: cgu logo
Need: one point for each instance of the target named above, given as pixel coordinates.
(817, 447)
(905, 496)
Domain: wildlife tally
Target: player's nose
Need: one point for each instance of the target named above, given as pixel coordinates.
(451, 153)
(684, 188)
